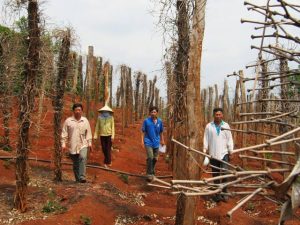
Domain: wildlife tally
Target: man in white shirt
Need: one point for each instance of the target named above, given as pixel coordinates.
(76, 132)
(219, 144)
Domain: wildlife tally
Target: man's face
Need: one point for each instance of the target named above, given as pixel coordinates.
(218, 116)
(77, 112)
(153, 113)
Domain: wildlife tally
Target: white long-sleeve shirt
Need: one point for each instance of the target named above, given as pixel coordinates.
(217, 144)
(77, 133)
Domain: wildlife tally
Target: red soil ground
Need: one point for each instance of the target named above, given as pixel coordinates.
(107, 198)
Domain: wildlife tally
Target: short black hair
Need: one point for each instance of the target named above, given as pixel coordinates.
(153, 108)
(76, 105)
(217, 110)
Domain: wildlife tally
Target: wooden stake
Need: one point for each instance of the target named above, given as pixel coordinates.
(243, 202)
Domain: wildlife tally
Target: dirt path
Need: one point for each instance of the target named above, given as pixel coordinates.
(109, 198)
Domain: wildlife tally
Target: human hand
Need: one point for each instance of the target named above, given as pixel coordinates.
(94, 142)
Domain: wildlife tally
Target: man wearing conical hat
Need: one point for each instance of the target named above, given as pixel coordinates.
(105, 129)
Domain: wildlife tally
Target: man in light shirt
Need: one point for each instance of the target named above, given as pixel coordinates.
(76, 133)
(219, 144)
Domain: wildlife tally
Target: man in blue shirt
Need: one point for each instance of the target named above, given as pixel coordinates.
(152, 136)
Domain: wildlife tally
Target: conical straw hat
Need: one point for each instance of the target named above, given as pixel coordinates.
(105, 108)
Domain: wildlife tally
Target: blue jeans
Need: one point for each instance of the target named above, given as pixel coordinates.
(152, 156)
(79, 164)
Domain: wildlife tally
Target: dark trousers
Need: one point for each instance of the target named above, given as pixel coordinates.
(152, 156)
(106, 148)
(218, 172)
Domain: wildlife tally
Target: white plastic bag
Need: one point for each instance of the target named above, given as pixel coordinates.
(162, 148)
(206, 161)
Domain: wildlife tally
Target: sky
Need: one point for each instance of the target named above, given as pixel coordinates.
(125, 32)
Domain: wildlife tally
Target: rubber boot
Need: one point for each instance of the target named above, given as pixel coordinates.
(149, 166)
(153, 165)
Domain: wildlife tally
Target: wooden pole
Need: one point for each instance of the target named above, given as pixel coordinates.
(225, 101)
(89, 80)
(170, 109)
(118, 96)
(285, 106)
(243, 202)
(217, 104)
(30, 73)
(106, 71)
(79, 88)
(144, 96)
(98, 84)
(129, 98)
(137, 105)
(111, 69)
(156, 93)
(152, 91)
(243, 109)
(123, 97)
(58, 102)
(204, 106)
(210, 103)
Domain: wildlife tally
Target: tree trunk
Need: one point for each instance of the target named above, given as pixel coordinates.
(285, 107)
(144, 97)
(180, 112)
(89, 80)
(110, 84)
(170, 109)
(225, 101)
(27, 104)
(263, 94)
(118, 96)
(58, 102)
(74, 78)
(79, 88)
(217, 104)
(162, 108)
(106, 81)
(98, 85)
(136, 96)
(156, 94)
(243, 109)
(236, 108)
(204, 106)
(210, 103)
(149, 97)
(152, 92)
(129, 97)
(194, 113)
(123, 96)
